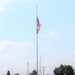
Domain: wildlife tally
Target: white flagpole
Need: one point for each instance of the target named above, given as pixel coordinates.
(37, 38)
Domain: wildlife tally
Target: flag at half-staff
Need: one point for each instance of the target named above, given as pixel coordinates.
(38, 29)
(38, 25)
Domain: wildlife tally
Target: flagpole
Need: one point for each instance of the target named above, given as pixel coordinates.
(36, 39)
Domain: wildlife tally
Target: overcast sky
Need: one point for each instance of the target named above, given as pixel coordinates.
(18, 34)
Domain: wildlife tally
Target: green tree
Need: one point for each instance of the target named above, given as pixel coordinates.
(64, 69)
(34, 72)
(17, 74)
(8, 73)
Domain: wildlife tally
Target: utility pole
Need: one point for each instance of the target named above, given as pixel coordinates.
(40, 71)
(43, 70)
(27, 68)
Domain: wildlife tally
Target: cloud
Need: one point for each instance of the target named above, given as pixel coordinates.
(54, 34)
(20, 1)
(13, 45)
(4, 8)
(8, 5)
(9, 49)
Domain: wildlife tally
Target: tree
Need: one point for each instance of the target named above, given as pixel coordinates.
(8, 73)
(17, 74)
(34, 72)
(64, 69)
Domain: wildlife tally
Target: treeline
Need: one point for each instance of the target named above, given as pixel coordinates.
(61, 70)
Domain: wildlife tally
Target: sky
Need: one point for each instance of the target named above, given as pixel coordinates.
(18, 35)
